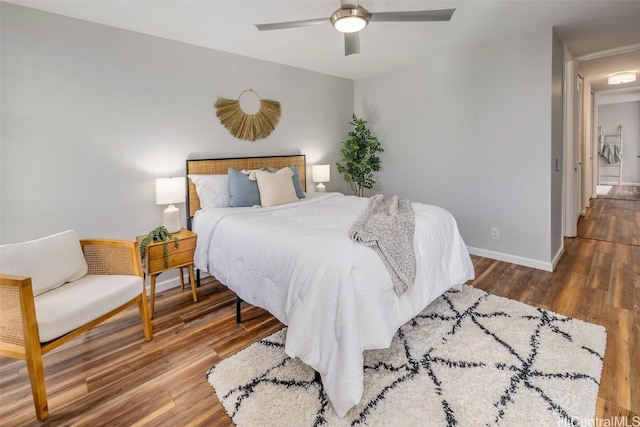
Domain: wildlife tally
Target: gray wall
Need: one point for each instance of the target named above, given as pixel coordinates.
(477, 132)
(627, 114)
(91, 115)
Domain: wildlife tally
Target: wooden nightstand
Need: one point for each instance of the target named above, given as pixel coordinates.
(179, 257)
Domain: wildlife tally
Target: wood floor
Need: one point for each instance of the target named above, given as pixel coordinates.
(111, 376)
(624, 192)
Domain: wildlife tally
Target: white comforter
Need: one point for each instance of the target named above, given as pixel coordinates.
(298, 262)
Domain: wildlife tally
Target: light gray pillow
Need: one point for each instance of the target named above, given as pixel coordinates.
(243, 192)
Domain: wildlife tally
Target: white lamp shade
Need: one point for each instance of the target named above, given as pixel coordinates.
(170, 190)
(321, 173)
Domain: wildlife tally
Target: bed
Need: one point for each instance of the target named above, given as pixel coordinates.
(297, 261)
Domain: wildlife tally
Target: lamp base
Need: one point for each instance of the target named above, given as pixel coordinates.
(171, 219)
(320, 188)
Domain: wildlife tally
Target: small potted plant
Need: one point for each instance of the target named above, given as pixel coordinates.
(158, 234)
(359, 154)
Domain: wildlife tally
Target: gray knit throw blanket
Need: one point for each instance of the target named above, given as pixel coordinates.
(387, 226)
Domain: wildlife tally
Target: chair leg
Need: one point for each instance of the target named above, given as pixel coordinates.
(145, 316)
(153, 295)
(35, 368)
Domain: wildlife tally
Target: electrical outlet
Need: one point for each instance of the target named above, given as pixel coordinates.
(495, 233)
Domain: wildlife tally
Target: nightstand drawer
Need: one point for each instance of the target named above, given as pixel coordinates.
(181, 255)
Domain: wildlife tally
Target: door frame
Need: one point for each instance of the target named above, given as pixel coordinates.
(570, 192)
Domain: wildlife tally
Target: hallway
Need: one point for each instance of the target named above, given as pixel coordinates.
(610, 234)
(614, 217)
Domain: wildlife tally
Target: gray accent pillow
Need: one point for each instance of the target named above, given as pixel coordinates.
(242, 191)
(296, 180)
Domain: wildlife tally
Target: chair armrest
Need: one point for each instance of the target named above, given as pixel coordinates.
(106, 256)
(17, 310)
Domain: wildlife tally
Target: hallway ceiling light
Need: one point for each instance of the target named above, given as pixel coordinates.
(623, 77)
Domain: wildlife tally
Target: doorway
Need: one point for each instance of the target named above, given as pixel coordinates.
(618, 145)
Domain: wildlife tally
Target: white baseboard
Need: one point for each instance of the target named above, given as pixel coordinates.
(633, 184)
(514, 259)
(557, 256)
(174, 282)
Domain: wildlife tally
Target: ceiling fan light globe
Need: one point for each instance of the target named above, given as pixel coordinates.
(350, 20)
(623, 77)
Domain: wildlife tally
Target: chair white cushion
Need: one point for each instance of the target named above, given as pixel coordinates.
(50, 261)
(63, 309)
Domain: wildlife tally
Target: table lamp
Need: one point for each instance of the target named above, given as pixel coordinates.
(321, 174)
(168, 192)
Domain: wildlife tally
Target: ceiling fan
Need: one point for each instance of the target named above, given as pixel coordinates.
(351, 18)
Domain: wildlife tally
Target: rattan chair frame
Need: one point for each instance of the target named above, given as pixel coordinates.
(19, 335)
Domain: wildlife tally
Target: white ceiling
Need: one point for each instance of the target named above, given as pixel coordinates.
(587, 27)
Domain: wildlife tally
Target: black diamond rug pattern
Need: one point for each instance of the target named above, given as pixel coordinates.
(469, 359)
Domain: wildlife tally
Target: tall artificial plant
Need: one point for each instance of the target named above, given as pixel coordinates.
(359, 157)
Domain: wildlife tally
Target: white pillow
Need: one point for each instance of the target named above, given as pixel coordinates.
(276, 188)
(213, 190)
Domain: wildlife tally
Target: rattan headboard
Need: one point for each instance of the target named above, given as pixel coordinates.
(220, 167)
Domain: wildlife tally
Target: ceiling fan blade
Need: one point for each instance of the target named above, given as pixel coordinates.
(291, 24)
(351, 43)
(413, 16)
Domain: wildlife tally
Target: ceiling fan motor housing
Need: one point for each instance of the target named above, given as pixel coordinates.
(350, 19)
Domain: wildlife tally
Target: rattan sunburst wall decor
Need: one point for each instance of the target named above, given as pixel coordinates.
(249, 127)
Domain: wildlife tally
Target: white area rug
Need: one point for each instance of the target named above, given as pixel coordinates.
(469, 359)
(602, 190)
